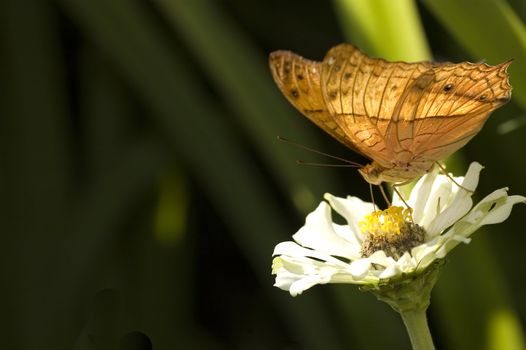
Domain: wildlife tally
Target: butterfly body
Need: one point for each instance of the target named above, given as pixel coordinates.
(402, 116)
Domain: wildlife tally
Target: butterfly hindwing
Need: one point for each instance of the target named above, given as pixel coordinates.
(362, 92)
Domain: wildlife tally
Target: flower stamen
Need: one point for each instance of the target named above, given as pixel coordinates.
(391, 230)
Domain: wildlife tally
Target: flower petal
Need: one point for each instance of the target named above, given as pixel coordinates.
(390, 272)
(493, 209)
(448, 203)
(319, 233)
(460, 206)
(292, 250)
(296, 276)
(360, 267)
(471, 180)
(419, 195)
(438, 199)
(353, 210)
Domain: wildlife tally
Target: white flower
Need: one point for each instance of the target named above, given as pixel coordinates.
(326, 252)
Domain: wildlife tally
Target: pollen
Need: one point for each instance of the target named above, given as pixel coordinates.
(391, 230)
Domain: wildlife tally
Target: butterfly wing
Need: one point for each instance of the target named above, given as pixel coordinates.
(445, 108)
(392, 112)
(299, 80)
(400, 133)
(362, 93)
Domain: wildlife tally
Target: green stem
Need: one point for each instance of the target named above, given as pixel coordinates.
(410, 297)
(416, 324)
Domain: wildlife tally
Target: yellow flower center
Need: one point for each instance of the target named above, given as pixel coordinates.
(391, 230)
(387, 223)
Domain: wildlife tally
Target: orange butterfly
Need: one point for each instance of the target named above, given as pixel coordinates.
(403, 116)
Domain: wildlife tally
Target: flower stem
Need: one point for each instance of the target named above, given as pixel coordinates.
(410, 297)
(416, 324)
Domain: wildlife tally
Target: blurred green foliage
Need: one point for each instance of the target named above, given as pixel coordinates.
(142, 188)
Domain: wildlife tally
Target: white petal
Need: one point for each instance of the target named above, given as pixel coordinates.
(348, 278)
(390, 272)
(405, 263)
(471, 180)
(302, 284)
(420, 194)
(502, 209)
(460, 206)
(359, 268)
(379, 258)
(355, 247)
(353, 210)
(426, 253)
(319, 234)
(435, 192)
(448, 203)
(298, 274)
(438, 199)
(493, 209)
(292, 250)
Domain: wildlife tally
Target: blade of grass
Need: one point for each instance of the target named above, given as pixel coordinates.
(490, 30)
(198, 132)
(36, 172)
(242, 76)
(106, 114)
(385, 28)
(472, 269)
(505, 38)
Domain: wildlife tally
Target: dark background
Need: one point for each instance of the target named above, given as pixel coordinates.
(142, 187)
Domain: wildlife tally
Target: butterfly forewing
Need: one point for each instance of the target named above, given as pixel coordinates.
(299, 80)
(345, 74)
(456, 107)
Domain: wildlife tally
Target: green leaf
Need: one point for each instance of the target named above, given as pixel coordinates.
(384, 28)
(494, 33)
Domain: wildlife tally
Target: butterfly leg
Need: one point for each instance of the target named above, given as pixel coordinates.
(443, 171)
(395, 189)
(382, 190)
(372, 197)
(384, 195)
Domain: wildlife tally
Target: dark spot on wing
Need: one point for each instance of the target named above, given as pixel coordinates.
(294, 93)
(286, 68)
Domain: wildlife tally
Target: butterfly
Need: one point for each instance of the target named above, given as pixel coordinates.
(402, 116)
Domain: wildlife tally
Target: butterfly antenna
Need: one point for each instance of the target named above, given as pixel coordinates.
(301, 162)
(354, 164)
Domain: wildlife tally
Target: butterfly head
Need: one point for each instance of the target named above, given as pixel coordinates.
(372, 173)
(375, 173)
